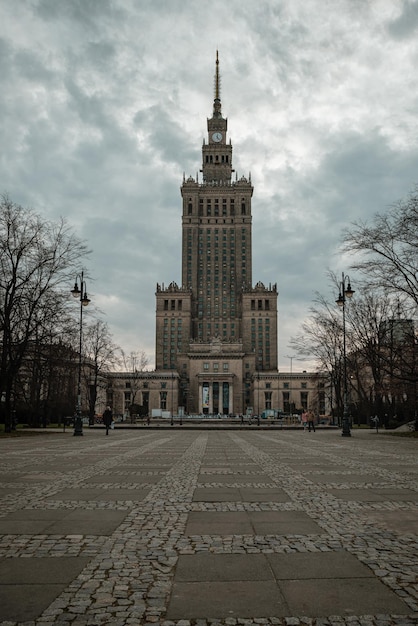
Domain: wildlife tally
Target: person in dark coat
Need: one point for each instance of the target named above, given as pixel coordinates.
(107, 419)
(311, 421)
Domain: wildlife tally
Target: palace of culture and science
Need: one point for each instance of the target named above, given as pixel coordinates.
(216, 333)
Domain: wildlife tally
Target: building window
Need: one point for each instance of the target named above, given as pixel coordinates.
(163, 400)
(206, 366)
(286, 402)
(226, 367)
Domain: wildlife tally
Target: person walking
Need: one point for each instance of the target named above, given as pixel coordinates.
(107, 419)
(304, 420)
(311, 421)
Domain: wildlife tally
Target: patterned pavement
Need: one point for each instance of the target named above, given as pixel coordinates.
(182, 527)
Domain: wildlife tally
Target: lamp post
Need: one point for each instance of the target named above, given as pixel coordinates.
(345, 292)
(291, 383)
(81, 294)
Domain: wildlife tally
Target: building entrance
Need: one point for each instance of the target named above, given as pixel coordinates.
(215, 397)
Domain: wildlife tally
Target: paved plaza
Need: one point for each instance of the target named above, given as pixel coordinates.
(184, 527)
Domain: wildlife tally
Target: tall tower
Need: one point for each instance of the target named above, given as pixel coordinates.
(216, 255)
(216, 318)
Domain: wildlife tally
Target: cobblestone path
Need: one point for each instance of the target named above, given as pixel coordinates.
(182, 527)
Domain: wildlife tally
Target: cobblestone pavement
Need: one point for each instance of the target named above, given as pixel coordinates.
(181, 527)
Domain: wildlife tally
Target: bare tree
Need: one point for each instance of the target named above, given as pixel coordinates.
(133, 364)
(380, 356)
(322, 338)
(387, 249)
(44, 388)
(101, 354)
(37, 262)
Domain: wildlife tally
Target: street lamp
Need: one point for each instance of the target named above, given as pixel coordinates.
(81, 294)
(345, 292)
(291, 383)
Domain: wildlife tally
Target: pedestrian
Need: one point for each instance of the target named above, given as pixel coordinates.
(376, 422)
(311, 421)
(107, 419)
(304, 420)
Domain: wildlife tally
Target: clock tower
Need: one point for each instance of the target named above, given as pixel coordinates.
(217, 154)
(216, 330)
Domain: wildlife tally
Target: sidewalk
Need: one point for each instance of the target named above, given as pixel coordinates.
(188, 527)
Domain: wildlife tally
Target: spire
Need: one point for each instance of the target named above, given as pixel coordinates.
(217, 81)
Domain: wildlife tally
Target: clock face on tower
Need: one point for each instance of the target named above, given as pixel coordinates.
(217, 137)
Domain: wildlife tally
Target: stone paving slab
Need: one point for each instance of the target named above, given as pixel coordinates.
(239, 494)
(28, 586)
(136, 479)
(233, 478)
(376, 495)
(110, 495)
(242, 599)
(400, 521)
(329, 477)
(352, 596)
(306, 584)
(150, 545)
(61, 522)
(253, 523)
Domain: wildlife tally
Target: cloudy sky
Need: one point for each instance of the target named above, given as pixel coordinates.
(103, 107)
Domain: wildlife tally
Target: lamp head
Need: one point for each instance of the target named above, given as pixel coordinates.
(349, 292)
(76, 291)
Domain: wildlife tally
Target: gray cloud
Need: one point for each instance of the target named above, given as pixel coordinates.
(406, 24)
(104, 105)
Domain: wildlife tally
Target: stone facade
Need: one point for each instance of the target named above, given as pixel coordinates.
(216, 330)
(214, 383)
(148, 390)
